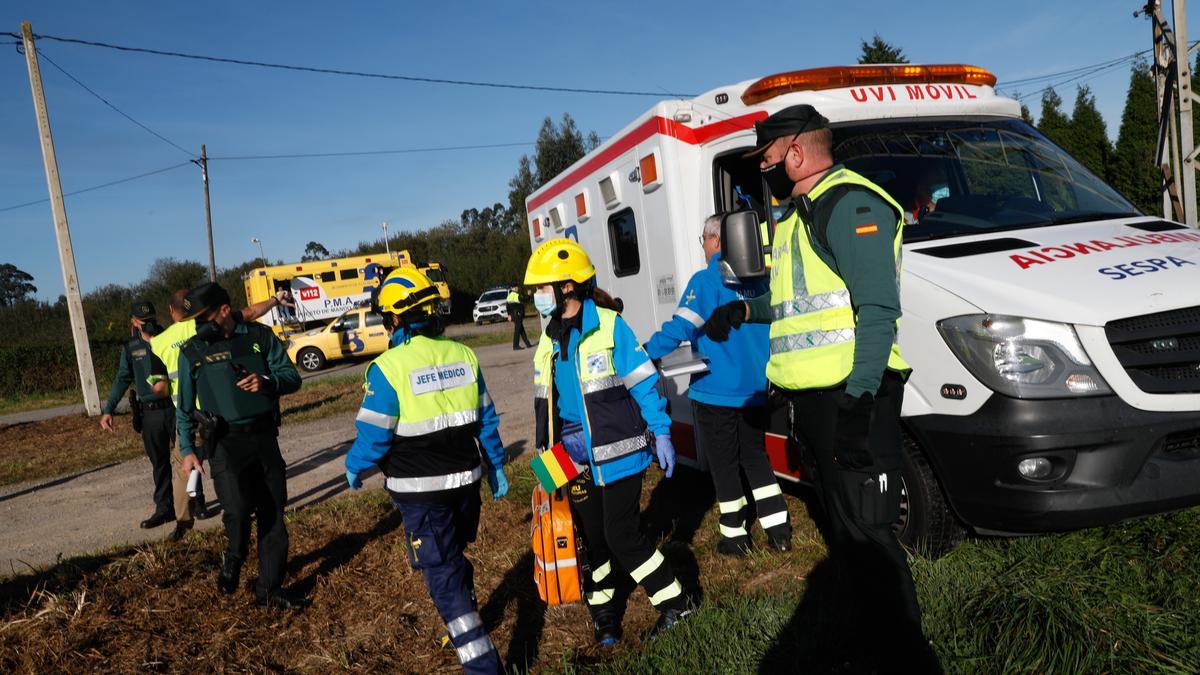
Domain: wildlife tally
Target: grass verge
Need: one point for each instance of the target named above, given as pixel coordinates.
(15, 404)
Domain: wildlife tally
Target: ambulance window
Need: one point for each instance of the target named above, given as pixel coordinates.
(349, 274)
(623, 242)
(737, 184)
(328, 276)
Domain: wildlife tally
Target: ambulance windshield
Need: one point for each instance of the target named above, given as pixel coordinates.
(952, 177)
(958, 177)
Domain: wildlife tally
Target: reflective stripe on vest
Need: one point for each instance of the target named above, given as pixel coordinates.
(597, 373)
(448, 481)
(436, 385)
(813, 326)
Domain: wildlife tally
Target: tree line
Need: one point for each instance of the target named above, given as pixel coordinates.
(488, 246)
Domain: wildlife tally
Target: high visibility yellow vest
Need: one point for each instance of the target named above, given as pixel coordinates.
(435, 382)
(166, 346)
(813, 322)
(614, 425)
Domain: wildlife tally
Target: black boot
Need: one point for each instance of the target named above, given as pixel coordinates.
(667, 619)
(159, 518)
(736, 547)
(231, 572)
(607, 628)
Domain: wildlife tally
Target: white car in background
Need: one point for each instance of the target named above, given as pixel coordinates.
(491, 306)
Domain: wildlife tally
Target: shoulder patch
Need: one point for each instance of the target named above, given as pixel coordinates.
(869, 228)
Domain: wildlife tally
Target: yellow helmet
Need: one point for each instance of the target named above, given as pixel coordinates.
(404, 290)
(558, 260)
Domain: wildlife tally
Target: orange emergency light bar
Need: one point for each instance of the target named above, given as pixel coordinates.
(837, 77)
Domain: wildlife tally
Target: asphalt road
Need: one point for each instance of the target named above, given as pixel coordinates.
(101, 508)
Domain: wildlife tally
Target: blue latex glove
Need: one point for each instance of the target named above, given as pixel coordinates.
(353, 479)
(576, 446)
(666, 454)
(498, 482)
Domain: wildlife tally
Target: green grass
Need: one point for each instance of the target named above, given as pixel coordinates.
(21, 403)
(485, 339)
(1117, 599)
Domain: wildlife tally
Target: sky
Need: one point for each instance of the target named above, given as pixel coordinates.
(119, 231)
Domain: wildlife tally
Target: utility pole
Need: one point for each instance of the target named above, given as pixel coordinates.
(1176, 155)
(58, 209)
(212, 259)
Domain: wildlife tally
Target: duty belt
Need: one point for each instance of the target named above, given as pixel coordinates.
(156, 405)
(254, 426)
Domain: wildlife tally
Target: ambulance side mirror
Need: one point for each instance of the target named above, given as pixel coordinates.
(742, 245)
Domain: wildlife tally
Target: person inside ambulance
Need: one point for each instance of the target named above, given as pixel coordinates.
(930, 188)
(425, 415)
(728, 402)
(595, 390)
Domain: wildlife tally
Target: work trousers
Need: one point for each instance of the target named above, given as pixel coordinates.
(733, 443)
(518, 322)
(249, 475)
(437, 535)
(617, 551)
(862, 504)
(158, 437)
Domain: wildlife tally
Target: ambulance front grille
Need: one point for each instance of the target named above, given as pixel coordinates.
(1160, 352)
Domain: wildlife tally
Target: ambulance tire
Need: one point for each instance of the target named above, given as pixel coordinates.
(310, 359)
(926, 524)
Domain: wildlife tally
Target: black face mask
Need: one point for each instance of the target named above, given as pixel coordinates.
(778, 182)
(208, 330)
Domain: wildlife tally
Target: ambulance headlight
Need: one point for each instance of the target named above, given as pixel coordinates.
(1023, 358)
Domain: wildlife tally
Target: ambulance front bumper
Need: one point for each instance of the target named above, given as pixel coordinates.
(1109, 461)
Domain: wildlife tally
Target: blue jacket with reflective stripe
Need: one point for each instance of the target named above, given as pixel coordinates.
(628, 355)
(380, 409)
(736, 374)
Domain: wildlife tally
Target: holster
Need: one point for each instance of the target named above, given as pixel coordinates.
(135, 410)
(212, 427)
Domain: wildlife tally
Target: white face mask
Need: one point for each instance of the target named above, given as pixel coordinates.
(544, 303)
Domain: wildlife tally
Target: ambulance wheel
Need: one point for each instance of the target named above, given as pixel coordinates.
(310, 359)
(926, 524)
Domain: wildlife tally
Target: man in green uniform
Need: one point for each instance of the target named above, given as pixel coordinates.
(236, 371)
(153, 416)
(166, 346)
(834, 308)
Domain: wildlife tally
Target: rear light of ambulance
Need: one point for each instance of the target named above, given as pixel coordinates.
(837, 77)
(537, 228)
(581, 206)
(648, 167)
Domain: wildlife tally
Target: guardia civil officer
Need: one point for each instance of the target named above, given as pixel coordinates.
(155, 416)
(833, 309)
(595, 389)
(166, 345)
(425, 415)
(729, 401)
(516, 314)
(237, 370)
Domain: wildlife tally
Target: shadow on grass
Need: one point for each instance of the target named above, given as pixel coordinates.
(339, 551)
(852, 617)
(517, 587)
(311, 405)
(676, 510)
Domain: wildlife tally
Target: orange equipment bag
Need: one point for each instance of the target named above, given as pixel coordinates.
(555, 549)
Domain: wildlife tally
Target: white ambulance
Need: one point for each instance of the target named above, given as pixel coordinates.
(1053, 331)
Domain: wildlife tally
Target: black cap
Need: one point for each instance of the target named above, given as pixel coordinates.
(204, 297)
(790, 121)
(142, 310)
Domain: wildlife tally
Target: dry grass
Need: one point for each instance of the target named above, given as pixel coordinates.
(155, 607)
(63, 445)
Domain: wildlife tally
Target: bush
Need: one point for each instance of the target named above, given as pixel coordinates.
(29, 370)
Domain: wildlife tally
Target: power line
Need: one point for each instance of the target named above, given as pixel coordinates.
(352, 73)
(361, 153)
(1050, 76)
(102, 185)
(120, 112)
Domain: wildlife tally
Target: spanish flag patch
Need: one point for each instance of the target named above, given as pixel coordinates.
(869, 228)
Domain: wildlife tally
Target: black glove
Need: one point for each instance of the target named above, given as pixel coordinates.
(724, 319)
(851, 438)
